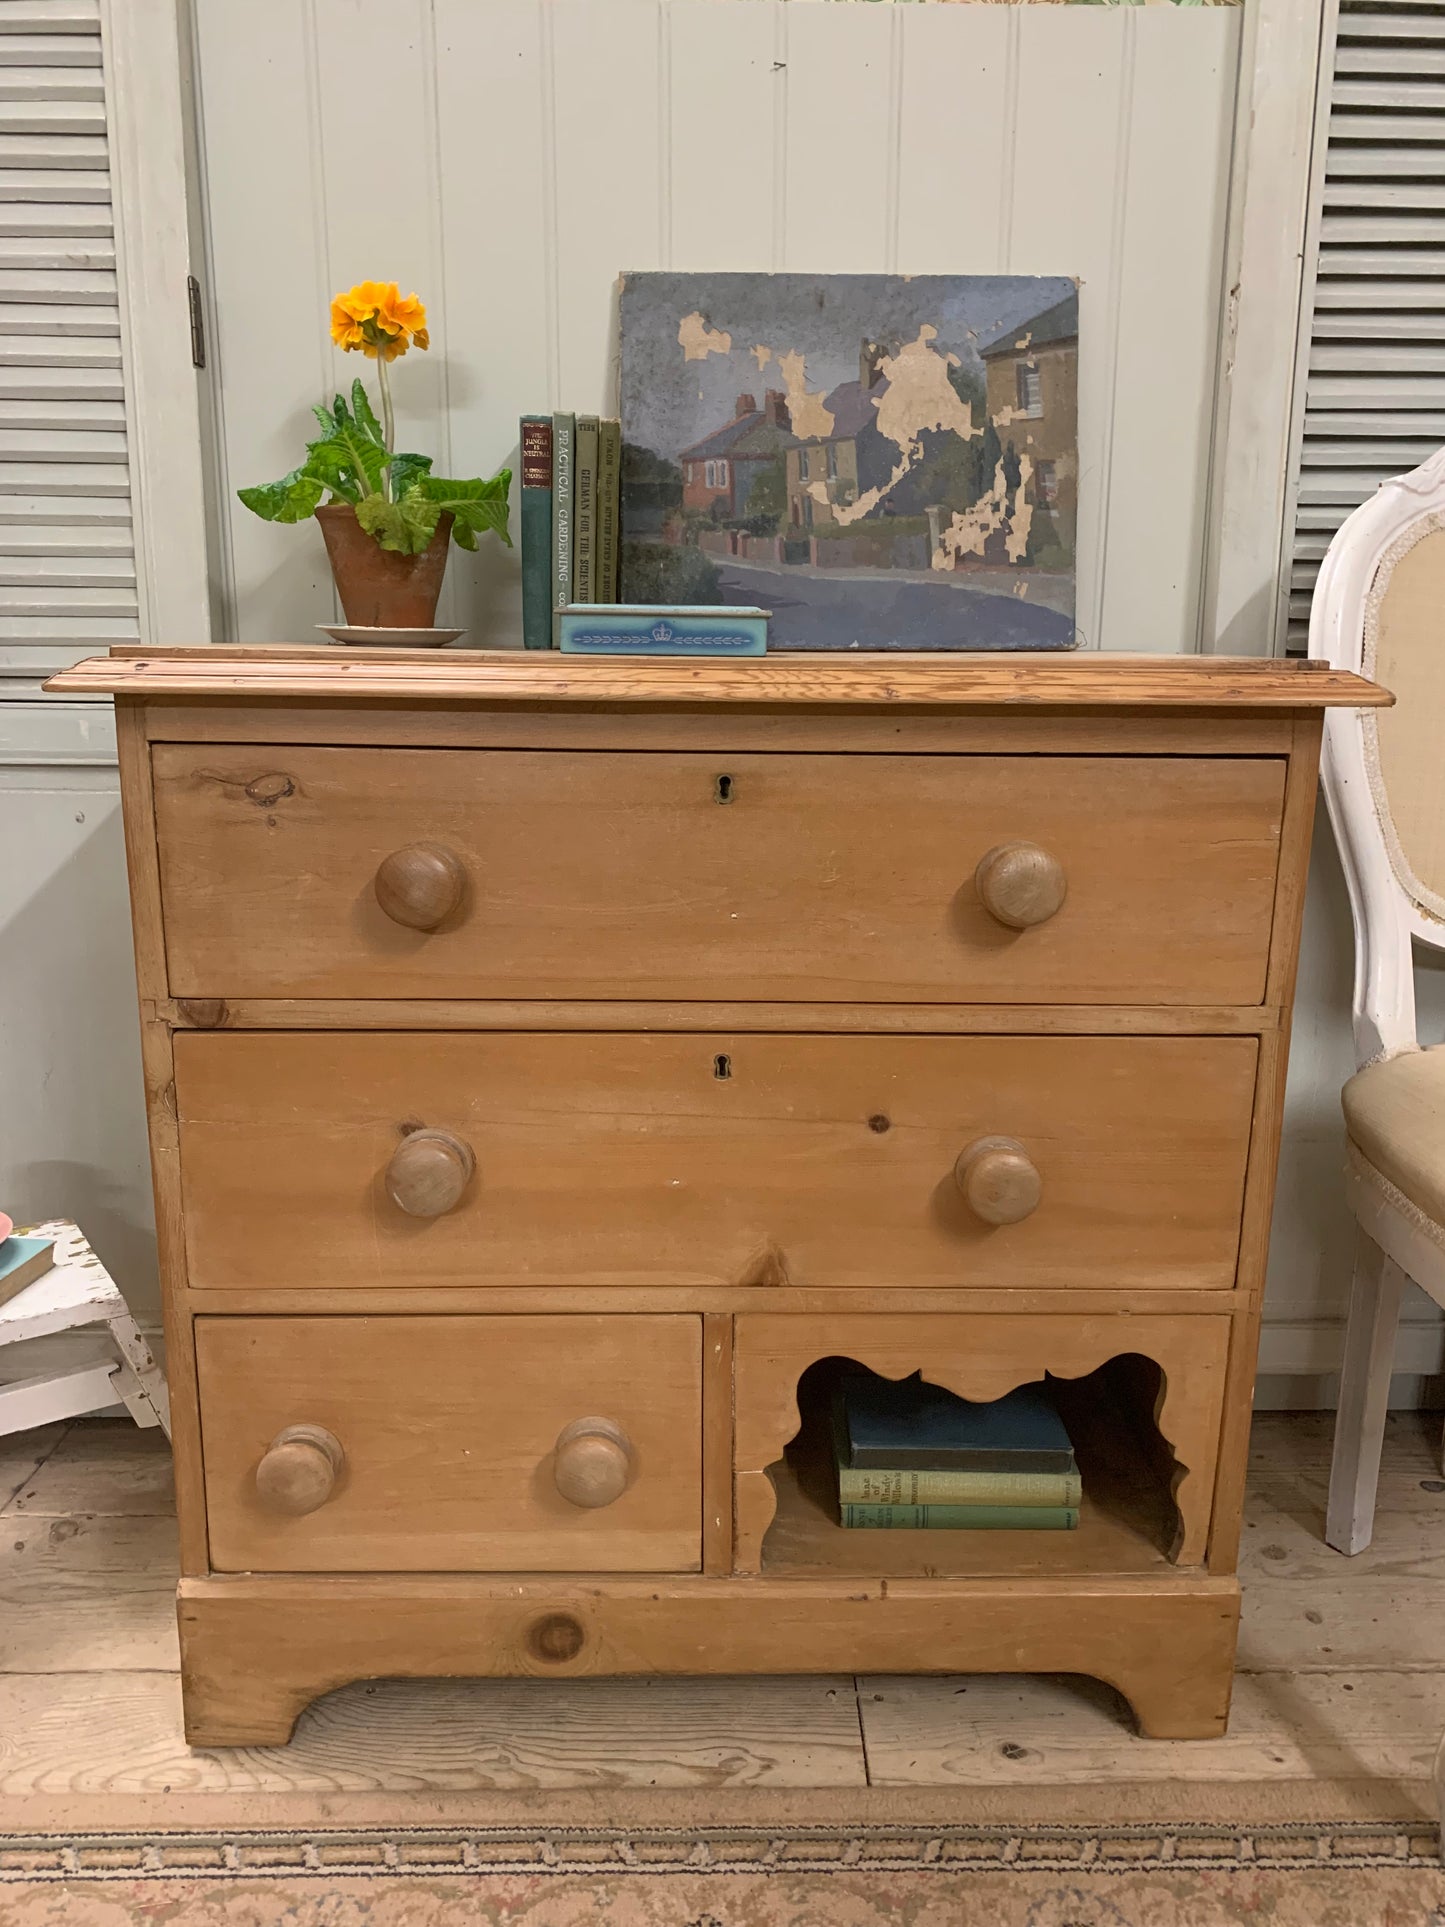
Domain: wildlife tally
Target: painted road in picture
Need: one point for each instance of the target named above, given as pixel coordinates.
(870, 612)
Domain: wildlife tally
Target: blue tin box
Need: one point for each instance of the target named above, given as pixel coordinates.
(631, 629)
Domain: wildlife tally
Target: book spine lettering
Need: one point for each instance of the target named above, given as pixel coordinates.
(609, 508)
(536, 516)
(564, 448)
(962, 1518)
(862, 1486)
(584, 512)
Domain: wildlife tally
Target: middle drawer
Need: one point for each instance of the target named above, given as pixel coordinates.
(348, 1160)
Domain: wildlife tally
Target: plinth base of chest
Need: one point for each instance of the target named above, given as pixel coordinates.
(256, 1650)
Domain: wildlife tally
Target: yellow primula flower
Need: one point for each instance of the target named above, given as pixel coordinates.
(376, 318)
(405, 315)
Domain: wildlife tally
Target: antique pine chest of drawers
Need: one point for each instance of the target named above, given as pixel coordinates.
(559, 1070)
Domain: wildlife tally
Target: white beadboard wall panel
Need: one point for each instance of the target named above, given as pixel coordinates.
(1046, 140)
(259, 125)
(951, 220)
(492, 80)
(1067, 208)
(608, 185)
(841, 140)
(723, 217)
(1162, 383)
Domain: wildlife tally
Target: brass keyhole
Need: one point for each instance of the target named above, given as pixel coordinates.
(723, 789)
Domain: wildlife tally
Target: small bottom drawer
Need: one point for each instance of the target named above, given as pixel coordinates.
(452, 1444)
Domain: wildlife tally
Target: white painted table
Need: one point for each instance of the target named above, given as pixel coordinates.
(78, 1291)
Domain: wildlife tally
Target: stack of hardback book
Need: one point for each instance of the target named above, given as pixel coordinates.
(911, 1455)
(571, 517)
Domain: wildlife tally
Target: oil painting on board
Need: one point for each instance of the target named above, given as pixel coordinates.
(884, 461)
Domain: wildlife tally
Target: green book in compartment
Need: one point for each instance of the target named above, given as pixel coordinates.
(609, 510)
(584, 513)
(881, 1485)
(564, 451)
(961, 1518)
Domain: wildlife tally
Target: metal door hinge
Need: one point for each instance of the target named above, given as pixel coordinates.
(198, 322)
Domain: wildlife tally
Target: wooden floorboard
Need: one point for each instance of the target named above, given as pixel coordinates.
(20, 1454)
(121, 1733)
(1283, 1726)
(1342, 1667)
(100, 1467)
(87, 1594)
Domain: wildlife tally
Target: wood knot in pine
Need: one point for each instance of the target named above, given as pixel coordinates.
(203, 1013)
(265, 791)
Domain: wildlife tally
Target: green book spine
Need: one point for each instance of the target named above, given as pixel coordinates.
(584, 512)
(536, 515)
(564, 450)
(963, 1518)
(877, 1485)
(609, 509)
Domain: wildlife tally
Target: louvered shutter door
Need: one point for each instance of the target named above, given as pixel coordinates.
(67, 569)
(1374, 403)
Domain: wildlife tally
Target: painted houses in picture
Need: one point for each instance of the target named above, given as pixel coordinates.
(718, 472)
(1033, 383)
(884, 461)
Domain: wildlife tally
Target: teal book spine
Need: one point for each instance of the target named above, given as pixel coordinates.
(878, 1485)
(536, 516)
(564, 453)
(584, 512)
(962, 1518)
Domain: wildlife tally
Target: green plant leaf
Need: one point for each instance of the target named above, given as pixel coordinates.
(406, 469)
(291, 499)
(404, 526)
(348, 461)
(474, 506)
(326, 462)
(365, 415)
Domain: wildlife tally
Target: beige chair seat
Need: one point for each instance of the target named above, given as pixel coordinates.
(1395, 1115)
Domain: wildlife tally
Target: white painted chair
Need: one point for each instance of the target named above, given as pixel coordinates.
(78, 1291)
(1379, 607)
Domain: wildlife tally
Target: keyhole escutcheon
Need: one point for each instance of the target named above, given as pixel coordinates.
(723, 789)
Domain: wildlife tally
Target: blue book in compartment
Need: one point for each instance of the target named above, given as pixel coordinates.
(912, 1425)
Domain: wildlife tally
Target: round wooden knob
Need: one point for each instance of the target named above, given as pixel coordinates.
(421, 885)
(1020, 885)
(428, 1172)
(593, 1464)
(999, 1180)
(299, 1470)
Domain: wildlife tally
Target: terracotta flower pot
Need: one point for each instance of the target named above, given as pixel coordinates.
(378, 589)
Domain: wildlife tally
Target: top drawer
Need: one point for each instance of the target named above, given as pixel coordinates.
(551, 874)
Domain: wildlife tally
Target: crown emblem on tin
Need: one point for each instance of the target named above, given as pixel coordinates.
(662, 632)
